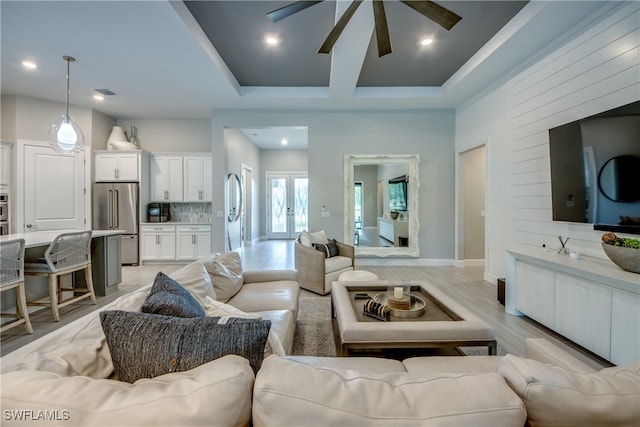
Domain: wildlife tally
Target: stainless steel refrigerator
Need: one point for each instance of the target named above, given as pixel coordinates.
(115, 207)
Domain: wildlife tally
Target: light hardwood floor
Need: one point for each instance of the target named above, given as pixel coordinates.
(465, 285)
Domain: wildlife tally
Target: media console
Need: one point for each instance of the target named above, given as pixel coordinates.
(590, 301)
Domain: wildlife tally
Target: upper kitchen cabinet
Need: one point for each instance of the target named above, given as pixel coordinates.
(166, 178)
(197, 178)
(118, 166)
(5, 167)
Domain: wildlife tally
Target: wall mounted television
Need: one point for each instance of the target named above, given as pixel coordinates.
(398, 193)
(595, 170)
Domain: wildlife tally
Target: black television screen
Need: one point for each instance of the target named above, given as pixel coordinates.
(595, 170)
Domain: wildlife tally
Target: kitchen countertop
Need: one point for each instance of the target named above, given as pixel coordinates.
(41, 238)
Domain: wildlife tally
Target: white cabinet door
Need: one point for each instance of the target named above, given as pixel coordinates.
(54, 190)
(625, 328)
(583, 313)
(535, 293)
(166, 178)
(128, 167)
(197, 179)
(116, 167)
(158, 243)
(193, 242)
(5, 167)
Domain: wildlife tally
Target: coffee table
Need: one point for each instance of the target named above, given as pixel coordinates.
(445, 323)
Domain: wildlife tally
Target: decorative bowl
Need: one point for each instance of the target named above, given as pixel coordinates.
(627, 259)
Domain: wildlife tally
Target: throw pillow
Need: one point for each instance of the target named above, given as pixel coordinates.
(225, 271)
(308, 239)
(195, 278)
(146, 345)
(169, 298)
(225, 311)
(330, 249)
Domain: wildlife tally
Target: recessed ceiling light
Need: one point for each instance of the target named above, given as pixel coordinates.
(30, 65)
(271, 40)
(426, 41)
(98, 97)
(284, 141)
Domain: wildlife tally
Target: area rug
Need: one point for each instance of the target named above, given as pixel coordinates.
(314, 332)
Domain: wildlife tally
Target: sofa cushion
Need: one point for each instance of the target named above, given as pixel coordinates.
(452, 364)
(556, 396)
(225, 271)
(337, 263)
(348, 397)
(215, 393)
(283, 329)
(168, 298)
(148, 345)
(262, 296)
(195, 278)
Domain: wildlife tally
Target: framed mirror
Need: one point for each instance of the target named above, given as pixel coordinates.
(618, 180)
(381, 204)
(234, 197)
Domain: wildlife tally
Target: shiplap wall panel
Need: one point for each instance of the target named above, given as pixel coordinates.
(596, 70)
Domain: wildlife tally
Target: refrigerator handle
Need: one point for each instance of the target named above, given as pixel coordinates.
(116, 209)
(110, 210)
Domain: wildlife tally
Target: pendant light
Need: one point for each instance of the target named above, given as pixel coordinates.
(65, 135)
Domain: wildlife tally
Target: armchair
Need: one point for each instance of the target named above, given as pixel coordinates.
(315, 272)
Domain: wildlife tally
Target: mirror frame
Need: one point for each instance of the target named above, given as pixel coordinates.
(413, 161)
(231, 217)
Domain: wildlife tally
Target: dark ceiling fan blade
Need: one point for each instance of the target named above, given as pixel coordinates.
(438, 14)
(382, 31)
(290, 9)
(333, 36)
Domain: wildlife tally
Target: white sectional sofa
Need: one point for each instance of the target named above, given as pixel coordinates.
(67, 378)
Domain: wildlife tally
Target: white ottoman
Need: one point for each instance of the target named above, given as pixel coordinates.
(357, 276)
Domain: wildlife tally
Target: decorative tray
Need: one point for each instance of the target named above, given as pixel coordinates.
(418, 306)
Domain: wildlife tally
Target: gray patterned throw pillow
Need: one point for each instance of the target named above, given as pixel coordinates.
(148, 345)
(169, 298)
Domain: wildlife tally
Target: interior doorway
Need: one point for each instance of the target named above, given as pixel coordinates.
(246, 213)
(287, 204)
(472, 206)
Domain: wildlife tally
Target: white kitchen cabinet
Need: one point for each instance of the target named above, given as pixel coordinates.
(536, 292)
(5, 167)
(166, 178)
(197, 178)
(158, 243)
(117, 166)
(193, 241)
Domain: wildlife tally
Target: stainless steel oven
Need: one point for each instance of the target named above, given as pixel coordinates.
(4, 214)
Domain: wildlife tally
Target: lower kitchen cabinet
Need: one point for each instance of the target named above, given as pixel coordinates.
(192, 241)
(174, 242)
(158, 243)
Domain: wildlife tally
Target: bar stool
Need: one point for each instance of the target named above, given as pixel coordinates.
(12, 277)
(67, 253)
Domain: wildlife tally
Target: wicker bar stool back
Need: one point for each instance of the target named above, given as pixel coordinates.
(12, 277)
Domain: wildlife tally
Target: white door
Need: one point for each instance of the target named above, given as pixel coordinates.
(287, 202)
(54, 190)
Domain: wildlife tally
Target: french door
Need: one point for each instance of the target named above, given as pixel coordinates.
(287, 204)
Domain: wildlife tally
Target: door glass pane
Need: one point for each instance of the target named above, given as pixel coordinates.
(301, 193)
(358, 206)
(278, 205)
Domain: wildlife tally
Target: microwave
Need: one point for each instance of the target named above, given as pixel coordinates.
(158, 212)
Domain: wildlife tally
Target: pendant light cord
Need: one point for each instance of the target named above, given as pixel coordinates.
(69, 59)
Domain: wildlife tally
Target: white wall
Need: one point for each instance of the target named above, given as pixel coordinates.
(595, 69)
(179, 135)
(334, 134)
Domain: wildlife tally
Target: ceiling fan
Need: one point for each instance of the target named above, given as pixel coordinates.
(438, 14)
